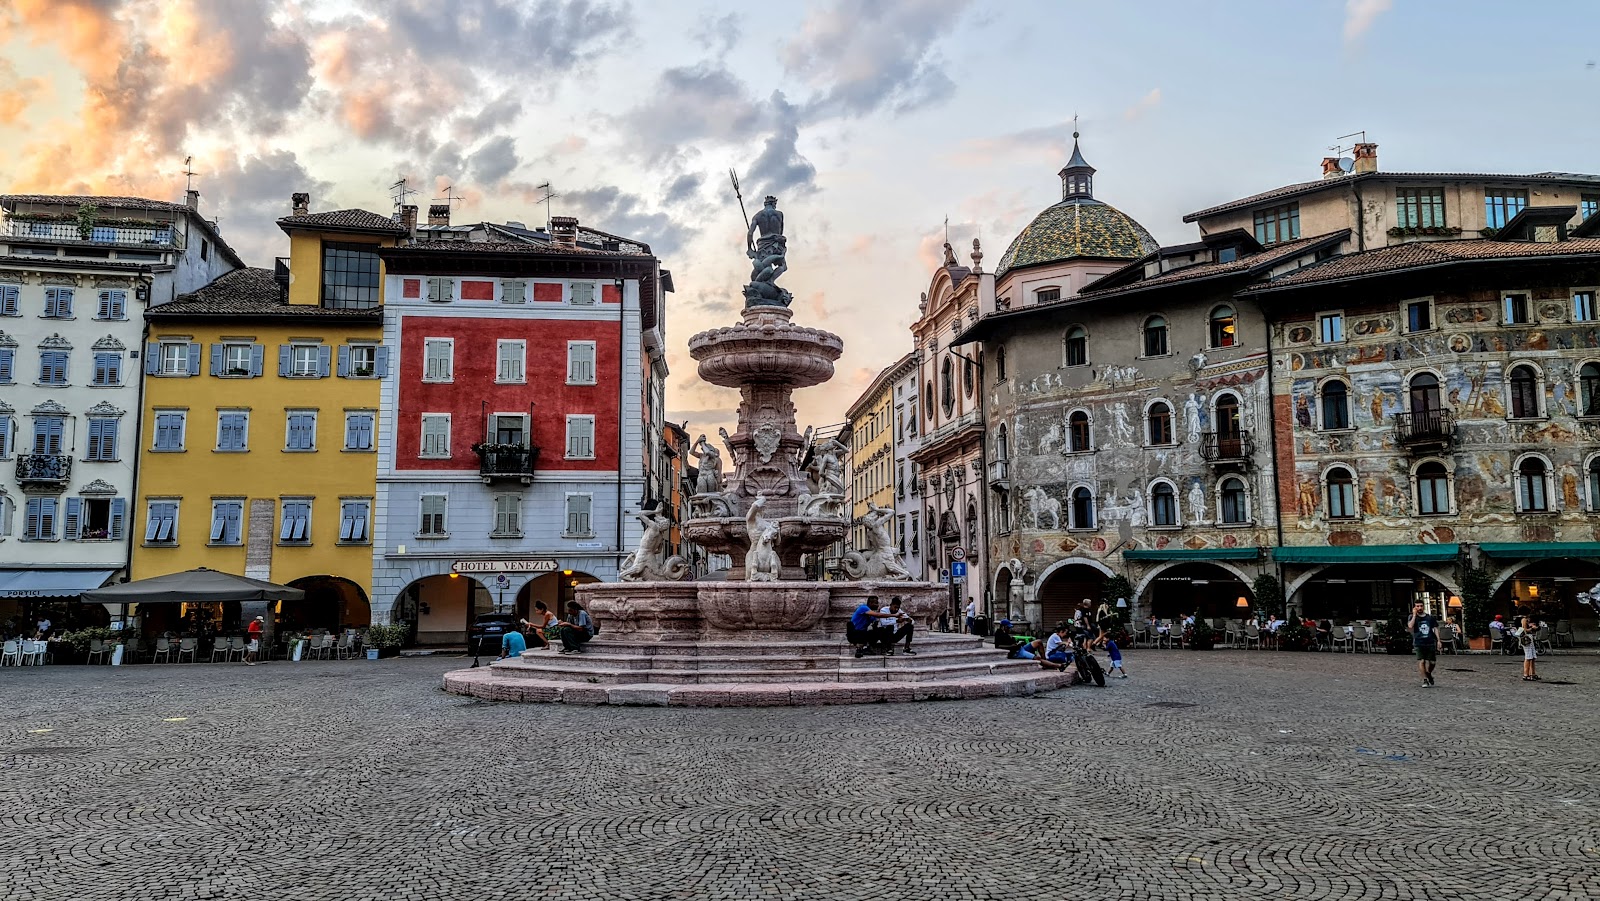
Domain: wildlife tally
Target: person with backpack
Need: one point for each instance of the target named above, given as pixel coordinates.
(1527, 637)
(577, 629)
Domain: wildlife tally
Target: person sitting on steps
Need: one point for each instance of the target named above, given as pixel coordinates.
(576, 629)
(863, 630)
(900, 627)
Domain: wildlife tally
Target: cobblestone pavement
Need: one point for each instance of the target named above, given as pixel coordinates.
(1229, 774)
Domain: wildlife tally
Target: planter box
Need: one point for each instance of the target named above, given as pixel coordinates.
(386, 653)
(372, 653)
(1479, 644)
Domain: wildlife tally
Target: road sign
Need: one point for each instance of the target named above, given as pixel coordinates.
(958, 569)
(957, 553)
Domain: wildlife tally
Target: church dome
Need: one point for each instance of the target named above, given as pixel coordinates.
(1078, 226)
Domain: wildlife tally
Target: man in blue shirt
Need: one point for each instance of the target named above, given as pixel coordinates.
(512, 644)
(861, 632)
(1425, 641)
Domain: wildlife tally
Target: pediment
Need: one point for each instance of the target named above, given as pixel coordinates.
(55, 342)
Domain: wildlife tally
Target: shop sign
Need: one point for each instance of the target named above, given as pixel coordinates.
(506, 566)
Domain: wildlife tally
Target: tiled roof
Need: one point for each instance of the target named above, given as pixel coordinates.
(519, 247)
(344, 220)
(23, 261)
(251, 293)
(129, 203)
(1079, 227)
(1308, 187)
(1424, 255)
(1273, 255)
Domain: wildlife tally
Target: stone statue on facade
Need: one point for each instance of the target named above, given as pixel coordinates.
(761, 562)
(878, 559)
(648, 562)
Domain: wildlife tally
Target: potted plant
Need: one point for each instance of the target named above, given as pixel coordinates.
(86, 217)
(1475, 582)
(1118, 588)
(1269, 594)
(387, 639)
(1199, 636)
(1294, 636)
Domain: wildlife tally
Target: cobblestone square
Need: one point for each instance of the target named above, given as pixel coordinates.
(1223, 775)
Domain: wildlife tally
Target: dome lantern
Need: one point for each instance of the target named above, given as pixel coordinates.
(1077, 178)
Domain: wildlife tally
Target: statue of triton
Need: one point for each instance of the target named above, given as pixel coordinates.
(768, 254)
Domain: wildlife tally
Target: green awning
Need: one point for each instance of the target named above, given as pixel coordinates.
(1371, 553)
(1542, 549)
(1205, 553)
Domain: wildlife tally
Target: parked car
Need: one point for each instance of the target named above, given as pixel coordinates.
(483, 636)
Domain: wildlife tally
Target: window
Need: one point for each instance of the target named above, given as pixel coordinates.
(95, 518)
(1163, 505)
(1158, 421)
(227, 522)
(968, 377)
(296, 522)
(169, 430)
(1514, 309)
(9, 297)
(1235, 506)
(580, 437)
(102, 440)
(441, 290)
(107, 370)
(1335, 402)
(47, 434)
(113, 305)
(358, 430)
(433, 522)
(1594, 485)
(174, 359)
(363, 361)
(514, 292)
(1082, 508)
(1229, 424)
(1531, 494)
(1419, 316)
(583, 294)
(1155, 336)
(7, 511)
(1002, 444)
(1280, 223)
(235, 360)
(58, 303)
(1330, 328)
(353, 517)
(438, 356)
(349, 276)
(161, 523)
(40, 524)
(1047, 295)
(510, 356)
(53, 367)
(1500, 205)
(1433, 489)
(1341, 494)
(306, 361)
(947, 386)
(1223, 333)
(507, 516)
(435, 435)
(999, 363)
(301, 434)
(1589, 386)
(1079, 436)
(233, 430)
(1524, 385)
(205, 249)
(1583, 306)
(578, 510)
(1077, 346)
(8, 364)
(1588, 205)
(1420, 207)
(580, 363)
(511, 429)
(1424, 393)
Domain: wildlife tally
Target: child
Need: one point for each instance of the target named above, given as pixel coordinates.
(1530, 651)
(1115, 653)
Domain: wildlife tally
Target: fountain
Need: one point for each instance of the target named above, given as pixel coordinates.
(763, 635)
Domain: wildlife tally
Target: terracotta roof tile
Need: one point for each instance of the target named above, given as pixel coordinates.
(1421, 254)
(519, 247)
(1264, 260)
(344, 220)
(253, 293)
(1308, 187)
(130, 203)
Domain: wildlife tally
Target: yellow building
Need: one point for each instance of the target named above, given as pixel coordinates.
(258, 450)
(871, 419)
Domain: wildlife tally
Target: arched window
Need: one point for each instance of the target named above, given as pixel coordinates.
(1159, 423)
(947, 386)
(1002, 511)
(1594, 485)
(1155, 336)
(1000, 363)
(1002, 444)
(972, 526)
(1077, 343)
(1425, 393)
(1433, 489)
(1163, 505)
(1079, 439)
(968, 377)
(1335, 405)
(1230, 434)
(1532, 496)
(1235, 506)
(1223, 331)
(1082, 508)
(1341, 494)
(1524, 393)
(1589, 384)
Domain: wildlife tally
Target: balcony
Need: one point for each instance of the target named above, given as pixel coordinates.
(1425, 429)
(43, 472)
(1227, 448)
(1000, 475)
(159, 235)
(505, 462)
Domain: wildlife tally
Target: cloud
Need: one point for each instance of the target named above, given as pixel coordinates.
(16, 92)
(1360, 14)
(692, 103)
(249, 194)
(1052, 143)
(1145, 104)
(780, 168)
(616, 211)
(494, 161)
(684, 187)
(818, 301)
(718, 34)
(867, 57)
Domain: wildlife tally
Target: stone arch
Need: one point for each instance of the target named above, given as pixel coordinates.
(1444, 578)
(1145, 580)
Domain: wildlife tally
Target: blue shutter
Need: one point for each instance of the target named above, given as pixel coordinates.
(383, 362)
(119, 516)
(74, 518)
(194, 359)
(7, 356)
(344, 361)
(5, 436)
(152, 359)
(257, 360)
(283, 360)
(324, 361)
(47, 517)
(216, 359)
(8, 300)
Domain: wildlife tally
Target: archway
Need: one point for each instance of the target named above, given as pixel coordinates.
(1548, 590)
(1349, 591)
(1210, 590)
(1003, 608)
(439, 608)
(332, 603)
(1064, 585)
(553, 589)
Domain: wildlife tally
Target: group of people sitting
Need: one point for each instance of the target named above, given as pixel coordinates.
(875, 629)
(573, 632)
(1082, 635)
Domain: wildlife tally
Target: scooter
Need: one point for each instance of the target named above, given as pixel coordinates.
(1088, 668)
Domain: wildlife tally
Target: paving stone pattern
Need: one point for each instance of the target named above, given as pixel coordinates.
(1217, 775)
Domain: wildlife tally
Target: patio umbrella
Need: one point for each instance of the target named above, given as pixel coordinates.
(196, 586)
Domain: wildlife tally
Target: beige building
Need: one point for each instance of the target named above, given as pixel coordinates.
(872, 460)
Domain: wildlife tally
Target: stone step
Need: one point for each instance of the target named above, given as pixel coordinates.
(578, 668)
(837, 660)
(607, 646)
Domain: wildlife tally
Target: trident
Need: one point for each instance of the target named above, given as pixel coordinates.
(734, 177)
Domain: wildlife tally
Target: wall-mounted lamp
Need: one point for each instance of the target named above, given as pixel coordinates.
(1242, 603)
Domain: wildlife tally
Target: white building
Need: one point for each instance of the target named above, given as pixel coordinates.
(907, 475)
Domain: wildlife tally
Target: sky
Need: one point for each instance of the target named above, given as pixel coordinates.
(874, 121)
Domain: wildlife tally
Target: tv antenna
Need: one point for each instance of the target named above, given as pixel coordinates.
(400, 192)
(450, 196)
(548, 194)
(189, 173)
(1336, 147)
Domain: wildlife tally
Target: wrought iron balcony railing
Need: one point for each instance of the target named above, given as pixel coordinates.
(1227, 447)
(43, 470)
(119, 235)
(505, 461)
(1425, 427)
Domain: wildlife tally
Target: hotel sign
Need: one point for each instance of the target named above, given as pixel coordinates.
(543, 565)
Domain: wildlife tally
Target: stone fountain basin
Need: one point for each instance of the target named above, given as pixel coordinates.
(796, 534)
(769, 352)
(746, 611)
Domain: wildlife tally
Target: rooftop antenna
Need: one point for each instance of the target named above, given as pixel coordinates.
(546, 201)
(189, 173)
(450, 196)
(400, 192)
(1339, 148)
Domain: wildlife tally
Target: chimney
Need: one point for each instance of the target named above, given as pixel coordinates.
(408, 219)
(301, 204)
(565, 231)
(439, 214)
(1330, 167)
(1366, 158)
(194, 199)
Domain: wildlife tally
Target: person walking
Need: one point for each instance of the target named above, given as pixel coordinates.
(1425, 642)
(252, 648)
(972, 616)
(1115, 653)
(1527, 636)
